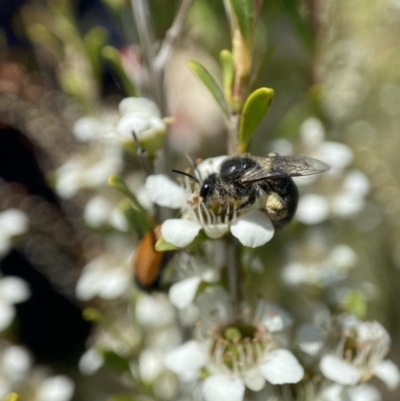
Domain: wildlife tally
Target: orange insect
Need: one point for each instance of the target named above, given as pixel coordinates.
(148, 263)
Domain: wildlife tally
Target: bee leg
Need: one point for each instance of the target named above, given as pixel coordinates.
(276, 207)
(252, 196)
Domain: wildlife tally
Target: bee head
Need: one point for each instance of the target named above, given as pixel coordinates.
(208, 188)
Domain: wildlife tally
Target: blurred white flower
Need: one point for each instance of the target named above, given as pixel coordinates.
(13, 222)
(236, 355)
(154, 310)
(89, 169)
(13, 290)
(141, 116)
(55, 388)
(136, 114)
(345, 201)
(100, 211)
(359, 354)
(347, 190)
(15, 363)
(90, 128)
(253, 228)
(315, 263)
(194, 271)
(362, 392)
(109, 276)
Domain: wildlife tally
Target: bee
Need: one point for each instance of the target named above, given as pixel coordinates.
(245, 178)
(148, 264)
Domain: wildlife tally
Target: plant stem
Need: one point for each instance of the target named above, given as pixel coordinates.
(233, 137)
(172, 35)
(142, 19)
(233, 272)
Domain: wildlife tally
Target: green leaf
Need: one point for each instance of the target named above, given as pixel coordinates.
(94, 41)
(211, 84)
(355, 303)
(254, 110)
(115, 181)
(228, 73)
(245, 15)
(113, 56)
(163, 246)
(137, 220)
(115, 362)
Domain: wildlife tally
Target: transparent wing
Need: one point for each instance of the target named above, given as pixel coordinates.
(283, 167)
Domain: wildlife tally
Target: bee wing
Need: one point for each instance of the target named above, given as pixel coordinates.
(284, 167)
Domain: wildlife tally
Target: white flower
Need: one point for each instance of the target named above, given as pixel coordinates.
(362, 392)
(90, 128)
(13, 290)
(99, 212)
(347, 189)
(141, 116)
(253, 228)
(359, 354)
(154, 310)
(89, 169)
(314, 263)
(109, 276)
(183, 292)
(56, 388)
(338, 155)
(15, 363)
(13, 222)
(236, 355)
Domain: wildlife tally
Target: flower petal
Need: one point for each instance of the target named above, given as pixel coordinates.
(13, 222)
(339, 371)
(186, 360)
(139, 105)
(182, 294)
(165, 192)
(388, 372)
(14, 289)
(254, 380)
(223, 388)
(179, 232)
(56, 388)
(364, 392)
(209, 166)
(309, 339)
(253, 229)
(216, 230)
(312, 209)
(281, 367)
(154, 310)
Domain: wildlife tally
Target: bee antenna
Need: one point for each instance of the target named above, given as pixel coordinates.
(186, 174)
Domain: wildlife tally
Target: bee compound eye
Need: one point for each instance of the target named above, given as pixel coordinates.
(207, 188)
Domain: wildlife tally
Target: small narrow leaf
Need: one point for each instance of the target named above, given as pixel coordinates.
(211, 84)
(93, 41)
(115, 181)
(245, 15)
(113, 56)
(163, 246)
(228, 73)
(138, 221)
(254, 110)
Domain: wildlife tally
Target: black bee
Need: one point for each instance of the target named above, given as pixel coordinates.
(246, 177)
